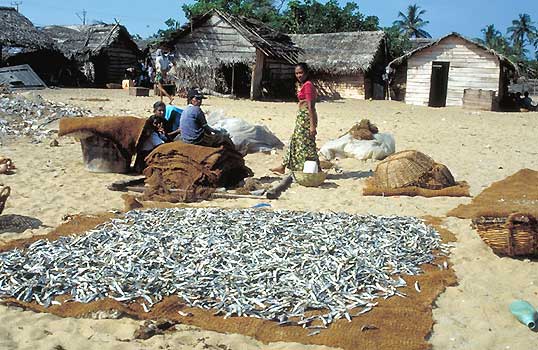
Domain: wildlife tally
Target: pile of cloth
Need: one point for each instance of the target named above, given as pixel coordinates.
(180, 172)
(363, 141)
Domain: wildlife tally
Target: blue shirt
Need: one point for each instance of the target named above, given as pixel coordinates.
(192, 124)
(172, 114)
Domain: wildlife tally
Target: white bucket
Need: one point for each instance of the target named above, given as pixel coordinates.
(310, 167)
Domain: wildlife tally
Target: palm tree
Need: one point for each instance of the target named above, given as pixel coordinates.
(411, 24)
(493, 39)
(522, 29)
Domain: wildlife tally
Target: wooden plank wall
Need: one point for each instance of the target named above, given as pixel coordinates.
(479, 99)
(470, 68)
(216, 38)
(119, 59)
(278, 69)
(347, 86)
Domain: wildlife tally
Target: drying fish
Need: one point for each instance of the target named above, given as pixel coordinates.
(185, 314)
(272, 265)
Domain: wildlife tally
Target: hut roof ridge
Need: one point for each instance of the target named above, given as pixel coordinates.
(502, 58)
(18, 31)
(271, 42)
(340, 53)
(76, 40)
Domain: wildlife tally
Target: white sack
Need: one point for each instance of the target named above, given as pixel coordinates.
(346, 146)
(246, 137)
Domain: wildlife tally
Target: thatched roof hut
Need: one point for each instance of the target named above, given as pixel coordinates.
(103, 51)
(346, 64)
(22, 43)
(18, 31)
(437, 74)
(244, 56)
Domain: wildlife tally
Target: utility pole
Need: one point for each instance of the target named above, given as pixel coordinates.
(82, 16)
(16, 4)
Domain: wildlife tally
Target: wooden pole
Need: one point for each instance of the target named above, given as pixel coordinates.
(233, 77)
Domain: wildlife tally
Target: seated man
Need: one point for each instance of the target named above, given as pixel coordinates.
(194, 127)
(171, 115)
(526, 102)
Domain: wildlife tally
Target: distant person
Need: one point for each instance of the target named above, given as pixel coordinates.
(194, 127)
(518, 99)
(162, 66)
(153, 135)
(172, 116)
(142, 78)
(303, 141)
(527, 103)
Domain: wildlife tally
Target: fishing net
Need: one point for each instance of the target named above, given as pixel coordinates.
(180, 172)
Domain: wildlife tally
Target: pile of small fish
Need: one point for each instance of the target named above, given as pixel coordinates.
(28, 114)
(272, 265)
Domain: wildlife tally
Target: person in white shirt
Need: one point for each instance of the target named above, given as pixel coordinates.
(162, 66)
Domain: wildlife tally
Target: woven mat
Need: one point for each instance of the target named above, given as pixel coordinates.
(124, 131)
(460, 190)
(399, 323)
(517, 193)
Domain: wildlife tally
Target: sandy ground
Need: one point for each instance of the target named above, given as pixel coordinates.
(479, 147)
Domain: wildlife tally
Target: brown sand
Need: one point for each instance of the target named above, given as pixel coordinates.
(51, 182)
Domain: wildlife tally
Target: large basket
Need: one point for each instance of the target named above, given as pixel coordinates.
(4, 193)
(514, 235)
(309, 179)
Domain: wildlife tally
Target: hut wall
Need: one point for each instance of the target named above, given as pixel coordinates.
(346, 86)
(216, 39)
(278, 78)
(120, 57)
(470, 68)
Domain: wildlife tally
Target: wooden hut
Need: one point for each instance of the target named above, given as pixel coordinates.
(345, 65)
(22, 43)
(102, 51)
(437, 74)
(233, 55)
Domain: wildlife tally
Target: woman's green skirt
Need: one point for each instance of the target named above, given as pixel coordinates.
(302, 147)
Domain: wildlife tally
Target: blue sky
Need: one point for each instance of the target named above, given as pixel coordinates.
(467, 17)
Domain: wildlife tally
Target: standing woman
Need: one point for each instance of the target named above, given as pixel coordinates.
(303, 141)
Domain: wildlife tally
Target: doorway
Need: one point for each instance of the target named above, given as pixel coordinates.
(439, 84)
(237, 77)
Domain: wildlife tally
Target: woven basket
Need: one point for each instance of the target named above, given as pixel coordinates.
(4, 193)
(308, 179)
(514, 235)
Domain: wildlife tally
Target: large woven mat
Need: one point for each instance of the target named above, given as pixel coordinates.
(517, 193)
(396, 323)
(460, 190)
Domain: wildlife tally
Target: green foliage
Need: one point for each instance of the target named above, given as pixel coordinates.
(398, 44)
(311, 16)
(411, 23)
(522, 34)
(522, 31)
(171, 26)
(299, 16)
(263, 10)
